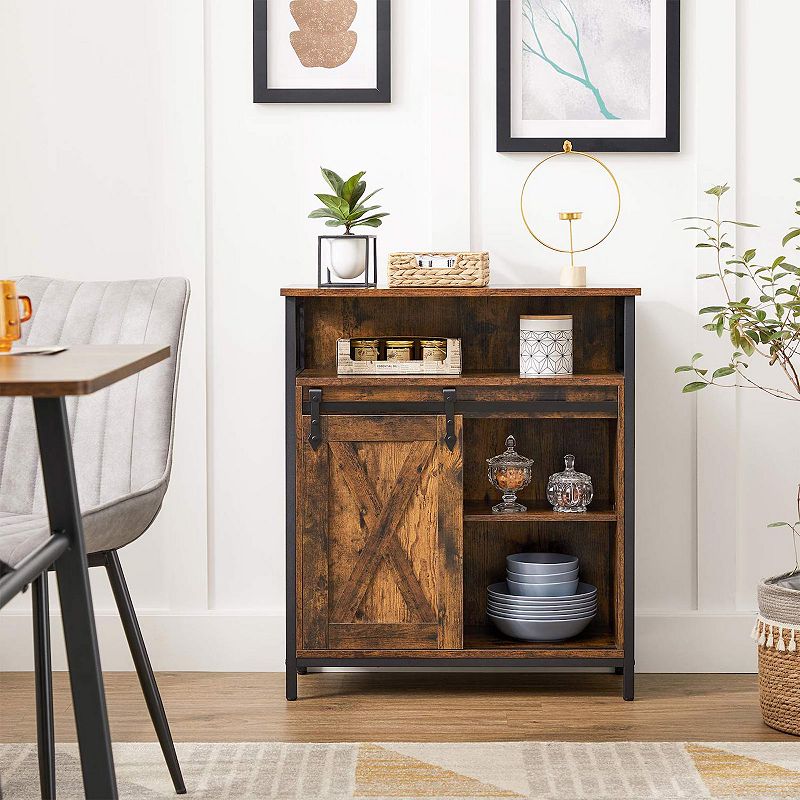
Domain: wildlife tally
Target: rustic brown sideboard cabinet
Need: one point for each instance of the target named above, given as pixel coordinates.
(390, 538)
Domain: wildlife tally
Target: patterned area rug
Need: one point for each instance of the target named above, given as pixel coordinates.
(453, 771)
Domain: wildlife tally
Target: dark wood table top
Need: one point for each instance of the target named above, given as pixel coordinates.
(453, 291)
(77, 370)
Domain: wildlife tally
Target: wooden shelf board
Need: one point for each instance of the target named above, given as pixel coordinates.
(329, 377)
(590, 644)
(480, 512)
(483, 641)
(488, 291)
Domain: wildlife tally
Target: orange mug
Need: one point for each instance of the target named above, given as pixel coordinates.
(10, 318)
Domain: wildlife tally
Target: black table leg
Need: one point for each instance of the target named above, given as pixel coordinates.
(83, 656)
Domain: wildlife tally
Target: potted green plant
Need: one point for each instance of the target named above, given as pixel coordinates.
(348, 254)
(763, 323)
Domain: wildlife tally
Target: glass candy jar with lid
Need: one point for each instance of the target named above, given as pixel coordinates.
(570, 491)
(509, 473)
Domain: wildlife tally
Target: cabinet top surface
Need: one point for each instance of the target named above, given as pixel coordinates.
(488, 291)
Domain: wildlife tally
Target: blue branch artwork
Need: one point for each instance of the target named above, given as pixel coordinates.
(573, 38)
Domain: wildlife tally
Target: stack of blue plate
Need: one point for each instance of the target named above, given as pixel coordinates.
(542, 599)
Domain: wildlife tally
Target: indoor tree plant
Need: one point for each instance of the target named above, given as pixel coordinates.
(347, 208)
(762, 324)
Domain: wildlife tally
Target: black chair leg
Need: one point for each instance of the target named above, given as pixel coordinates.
(143, 668)
(45, 733)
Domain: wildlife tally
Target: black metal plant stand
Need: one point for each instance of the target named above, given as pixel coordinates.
(369, 280)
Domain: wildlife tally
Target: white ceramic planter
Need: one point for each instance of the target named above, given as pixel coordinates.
(347, 257)
(545, 346)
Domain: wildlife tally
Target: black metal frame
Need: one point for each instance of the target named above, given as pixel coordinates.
(65, 551)
(381, 93)
(629, 478)
(295, 349)
(370, 280)
(669, 143)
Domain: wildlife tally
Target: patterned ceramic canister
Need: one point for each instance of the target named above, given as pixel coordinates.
(545, 345)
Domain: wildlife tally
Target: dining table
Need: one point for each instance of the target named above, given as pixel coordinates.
(48, 379)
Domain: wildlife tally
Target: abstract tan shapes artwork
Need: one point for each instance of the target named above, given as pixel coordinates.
(323, 39)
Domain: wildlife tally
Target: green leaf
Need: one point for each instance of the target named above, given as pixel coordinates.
(695, 228)
(779, 524)
(718, 191)
(359, 212)
(747, 345)
(704, 244)
(723, 372)
(357, 193)
(372, 222)
(742, 224)
(366, 199)
(789, 236)
(350, 186)
(684, 368)
(334, 203)
(705, 275)
(319, 213)
(711, 309)
(335, 223)
(694, 386)
(332, 179)
(696, 356)
(749, 255)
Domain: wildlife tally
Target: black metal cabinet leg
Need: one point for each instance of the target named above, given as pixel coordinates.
(627, 680)
(291, 680)
(619, 670)
(77, 612)
(144, 669)
(45, 733)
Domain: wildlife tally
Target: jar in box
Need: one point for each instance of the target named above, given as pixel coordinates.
(365, 349)
(399, 349)
(433, 349)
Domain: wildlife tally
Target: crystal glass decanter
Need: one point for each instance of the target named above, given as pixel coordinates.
(509, 473)
(569, 491)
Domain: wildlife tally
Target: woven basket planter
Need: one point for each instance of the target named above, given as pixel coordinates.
(777, 631)
(469, 269)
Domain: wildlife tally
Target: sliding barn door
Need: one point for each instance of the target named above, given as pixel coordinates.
(380, 534)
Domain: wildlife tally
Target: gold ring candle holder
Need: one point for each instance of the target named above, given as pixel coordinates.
(571, 275)
(509, 473)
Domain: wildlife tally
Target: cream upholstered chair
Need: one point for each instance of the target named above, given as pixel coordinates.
(122, 444)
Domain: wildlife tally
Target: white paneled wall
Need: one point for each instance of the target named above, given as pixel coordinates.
(131, 147)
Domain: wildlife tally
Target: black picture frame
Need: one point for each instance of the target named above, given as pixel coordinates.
(670, 143)
(381, 94)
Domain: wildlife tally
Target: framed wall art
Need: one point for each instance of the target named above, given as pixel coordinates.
(605, 75)
(322, 51)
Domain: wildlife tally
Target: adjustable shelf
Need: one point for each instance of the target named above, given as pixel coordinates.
(480, 512)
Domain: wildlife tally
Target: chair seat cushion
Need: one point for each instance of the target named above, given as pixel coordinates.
(106, 527)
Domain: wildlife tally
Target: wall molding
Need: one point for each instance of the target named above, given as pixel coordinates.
(245, 642)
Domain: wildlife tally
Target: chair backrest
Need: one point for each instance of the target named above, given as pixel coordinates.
(121, 436)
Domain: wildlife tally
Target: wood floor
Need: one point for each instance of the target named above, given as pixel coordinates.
(411, 707)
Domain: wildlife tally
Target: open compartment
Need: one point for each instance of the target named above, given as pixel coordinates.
(486, 546)
(488, 327)
(593, 442)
